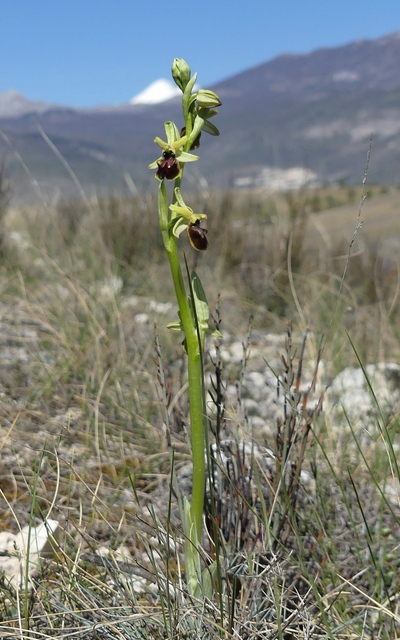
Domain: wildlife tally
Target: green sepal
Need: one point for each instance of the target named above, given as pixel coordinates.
(187, 213)
(187, 157)
(171, 131)
(173, 146)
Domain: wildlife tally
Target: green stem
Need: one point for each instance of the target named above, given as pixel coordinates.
(195, 371)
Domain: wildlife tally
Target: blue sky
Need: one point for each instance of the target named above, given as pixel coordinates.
(92, 52)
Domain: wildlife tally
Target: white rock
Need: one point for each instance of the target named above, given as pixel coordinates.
(141, 318)
(350, 389)
(23, 552)
(108, 288)
(160, 307)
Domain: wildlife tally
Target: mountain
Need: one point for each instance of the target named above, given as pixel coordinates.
(315, 111)
(14, 104)
(318, 110)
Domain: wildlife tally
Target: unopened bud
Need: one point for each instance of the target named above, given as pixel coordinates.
(208, 99)
(180, 72)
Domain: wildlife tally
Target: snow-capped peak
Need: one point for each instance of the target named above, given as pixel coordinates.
(158, 91)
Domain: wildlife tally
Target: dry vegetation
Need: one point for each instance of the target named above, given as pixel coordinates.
(83, 389)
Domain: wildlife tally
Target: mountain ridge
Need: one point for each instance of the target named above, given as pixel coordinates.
(315, 110)
(166, 85)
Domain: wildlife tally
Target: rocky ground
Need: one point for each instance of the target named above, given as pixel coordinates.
(67, 457)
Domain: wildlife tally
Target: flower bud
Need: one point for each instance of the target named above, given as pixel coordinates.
(180, 73)
(168, 167)
(208, 99)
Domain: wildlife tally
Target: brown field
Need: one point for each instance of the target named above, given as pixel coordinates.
(82, 434)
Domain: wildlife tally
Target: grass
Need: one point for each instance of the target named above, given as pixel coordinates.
(302, 513)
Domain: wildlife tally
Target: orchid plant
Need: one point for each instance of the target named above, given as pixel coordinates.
(198, 107)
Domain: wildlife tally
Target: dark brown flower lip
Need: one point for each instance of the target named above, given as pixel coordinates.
(197, 236)
(168, 167)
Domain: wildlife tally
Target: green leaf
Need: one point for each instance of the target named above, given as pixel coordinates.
(186, 96)
(209, 576)
(200, 305)
(210, 128)
(198, 125)
(189, 87)
(192, 99)
(163, 214)
(192, 555)
(207, 113)
(202, 310)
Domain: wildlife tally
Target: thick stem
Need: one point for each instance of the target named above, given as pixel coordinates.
(195, 379)
(195, 372)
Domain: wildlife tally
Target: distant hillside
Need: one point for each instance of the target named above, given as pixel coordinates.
(316, 111)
